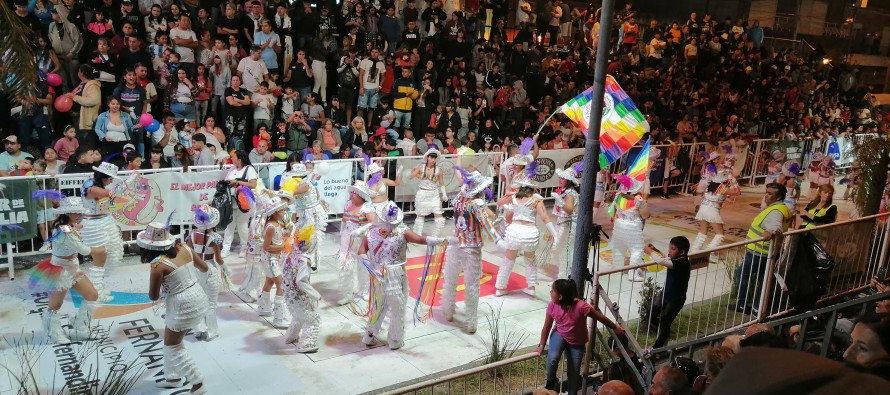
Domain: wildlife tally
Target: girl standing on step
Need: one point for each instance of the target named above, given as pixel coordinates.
(208, 245)
(277, 228)
(99, 228)
(172, 267)
(430, 192)
(353, 279)
(565, 200)
(61, 272)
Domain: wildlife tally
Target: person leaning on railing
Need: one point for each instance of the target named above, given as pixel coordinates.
(820, 211)
(673, 296)
(770, 223)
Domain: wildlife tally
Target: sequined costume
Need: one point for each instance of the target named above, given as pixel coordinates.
(428, 200)
(302, 302)
(310, 210)
(565, 226)
(211, 280)
(627, 232)
(186, 307)
(100, 230)
(352, 278)
(386, 250)
(717, 186)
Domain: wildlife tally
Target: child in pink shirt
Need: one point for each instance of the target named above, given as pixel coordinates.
(67, 144)
(569, 315)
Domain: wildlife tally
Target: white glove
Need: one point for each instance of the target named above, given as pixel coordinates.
(552, 229)
(435, 240)
(443, 193)
(361, 231)
(451, 240)
(557, 199)
(134, 176)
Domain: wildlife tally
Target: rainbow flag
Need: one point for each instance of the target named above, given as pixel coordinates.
(639, 169)
(623, 124)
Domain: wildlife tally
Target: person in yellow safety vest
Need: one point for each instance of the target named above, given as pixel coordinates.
(404, 92)
(769, 224)
(820, 211)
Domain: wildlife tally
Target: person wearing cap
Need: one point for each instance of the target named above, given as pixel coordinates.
(302, 299)
(208, 245)
(719, 183)
(566, 196)
(789, 177)
(99, 228)
(629, 211)
(430, 192)
(61, 272)
(379, 185)
(465, 255)
(172, 267)
(522, 235)
(382, 252)
(308, 206)
(11, 155)
(353, 281)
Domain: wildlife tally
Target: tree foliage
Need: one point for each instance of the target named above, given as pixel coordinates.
(18, 69)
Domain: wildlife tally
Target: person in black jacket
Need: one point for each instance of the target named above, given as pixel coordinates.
(673, 296)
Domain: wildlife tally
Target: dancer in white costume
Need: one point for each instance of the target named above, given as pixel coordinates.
(522, 235)
(250, 288)
(208, 245)
(353, 280)
(791, 180)
(383, 253)
(630, 210)
(379, 185)
(465, 251)
(565, 200)
(61, 272)
(277, 230)
(302, 299)
(307, 203)
(430, 192)
(99, 228)
(172, 268)
(720, 182)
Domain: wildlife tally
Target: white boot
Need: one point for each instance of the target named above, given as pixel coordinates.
(182, 364)
(718, 240)
(212, 325)
(698, 242)
(52, 328)
(264, 305)
(293, 331)
(82, 329)
(638, 276)
(438, 224)
(254, 277)
(96, 275)
(418, 225)
(281, 318)
(171, 378)
(503, 278)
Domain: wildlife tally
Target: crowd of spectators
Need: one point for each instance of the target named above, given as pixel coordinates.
(335, 80)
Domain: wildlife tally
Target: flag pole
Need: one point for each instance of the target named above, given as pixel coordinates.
(586, 231)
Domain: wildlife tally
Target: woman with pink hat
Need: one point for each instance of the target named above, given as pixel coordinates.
(99, 228)
(430, 191)
(172, 267)
(720, 182)
(61, 272)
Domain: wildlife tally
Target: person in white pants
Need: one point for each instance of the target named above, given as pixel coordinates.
(720, 182)
(208, 245)
(302, 299)
(383, 254)
(307, 203)
(99, 228)
(522, 235)
(276, 230)
(61, 272)
(565, 200)
(352, 279)
(242, 175)
(251, 287)
(430, 192)
(629, 210)
(465, 252)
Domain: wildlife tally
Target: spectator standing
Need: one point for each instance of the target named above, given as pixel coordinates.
(299, 77)
(250, 23)
(305, 23)
(34, 117)
(180, 97)
(154, 23)
(389, 27)
(565, 325)
(299, 133)
(67, 41)
(347, 80)
(151, 92)
(671, 299)
(370, 73)
(237, 111)
(323, 48)
(184, 40)
(270, 45)
(631, 32)
(252, 70)
(131, 97)
(404, 94)
(263, 105)
(88, 95)
(221, 75)
(114, 128)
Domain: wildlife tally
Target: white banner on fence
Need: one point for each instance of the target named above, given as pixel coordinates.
(550, 160)
(332, 186)
(156, 196)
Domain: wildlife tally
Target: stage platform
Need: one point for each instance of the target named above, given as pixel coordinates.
(249, 356)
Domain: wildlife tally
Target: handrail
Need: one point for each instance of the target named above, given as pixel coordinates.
(465, 373)
(782, 321)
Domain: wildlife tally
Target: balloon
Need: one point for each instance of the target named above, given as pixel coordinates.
(63, 103)
(153, 126)
(54, 79)
(321, 168)
(146, 119)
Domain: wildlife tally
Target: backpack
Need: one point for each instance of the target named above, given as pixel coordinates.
(244, 198)
(503, 97)
(222, 201)
(347, 78)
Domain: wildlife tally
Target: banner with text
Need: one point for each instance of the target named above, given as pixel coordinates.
(550, 160)
(155, 196)
(17, 211)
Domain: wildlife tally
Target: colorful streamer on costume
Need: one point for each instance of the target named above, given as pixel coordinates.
(426, 294)
(639, 169)
(622, 203)
(45, 276)
(377, 299)
(622, 127)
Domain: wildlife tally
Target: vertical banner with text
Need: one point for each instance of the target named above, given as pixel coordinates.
(17, 210)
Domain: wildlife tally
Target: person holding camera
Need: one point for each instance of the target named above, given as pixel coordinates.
(242, 175)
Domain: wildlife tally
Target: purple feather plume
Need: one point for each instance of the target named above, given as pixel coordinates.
(794, 168)
(532, 169)
(47, 193)
(526, 146)
(200, 215)
(624, 180)
(13, 227)
(367, 159)
(248, 194)
(464, 173)
(375, 179)
(578, 167)
(704, 154)
(844, 181)
(712, 168)
(488, 194)
(433, 146)
(393, 210)
(727, 148)
(169, 220)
